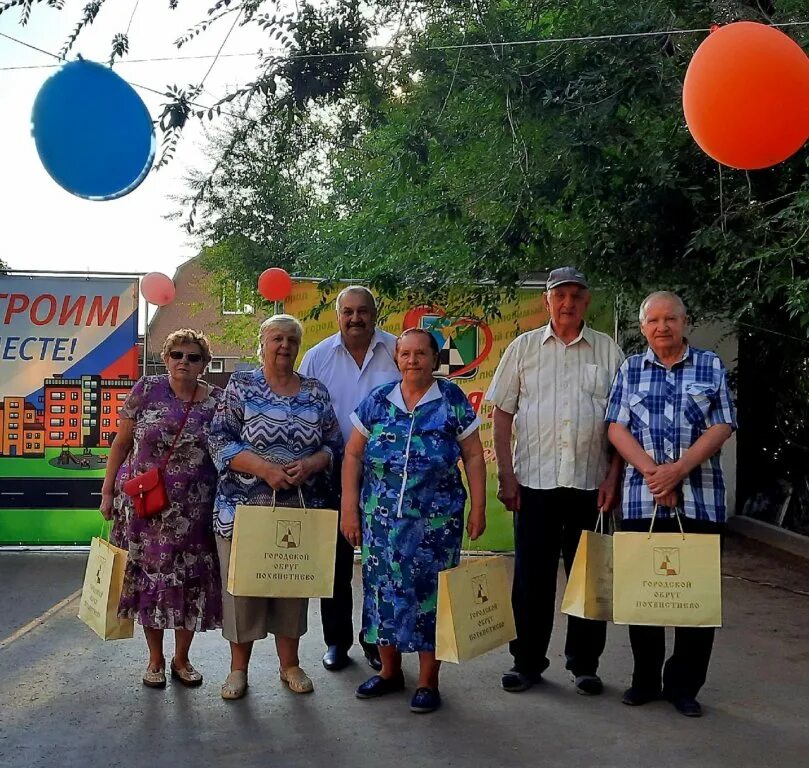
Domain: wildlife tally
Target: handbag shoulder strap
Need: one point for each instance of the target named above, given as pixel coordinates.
(188, 407)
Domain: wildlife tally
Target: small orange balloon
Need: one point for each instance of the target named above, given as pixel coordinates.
(746, 96)
(275, 284)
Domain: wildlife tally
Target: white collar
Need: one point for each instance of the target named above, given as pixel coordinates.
(395, 396)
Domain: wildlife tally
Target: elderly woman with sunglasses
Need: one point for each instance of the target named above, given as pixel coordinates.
(275, 438)
(172, 572)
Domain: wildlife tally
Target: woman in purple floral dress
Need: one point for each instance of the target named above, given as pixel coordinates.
(172, 572)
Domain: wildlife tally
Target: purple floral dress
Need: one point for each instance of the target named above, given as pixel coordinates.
(172, 572)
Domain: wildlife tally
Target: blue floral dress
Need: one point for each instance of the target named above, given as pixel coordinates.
(413, 507)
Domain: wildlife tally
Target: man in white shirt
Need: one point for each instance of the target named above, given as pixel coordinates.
(550, 395)
(351, 363)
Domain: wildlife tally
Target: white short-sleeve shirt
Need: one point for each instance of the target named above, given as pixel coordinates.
(558, 395)
(348, 384)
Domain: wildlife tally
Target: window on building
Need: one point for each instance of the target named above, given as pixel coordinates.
(121, 396)
(57, 435)
(237, 299)
(13, 437)
(57, 395)
(105, 423)
(85, 422)
(37, 447)
(14, 404)
(74, 422)
(106, 396)
(15, 415)
(74, 395)
(74, 408)
(57, 422)
(28, 446)
(13, 425)
(28, 436)
(106, 409)
(74, 435)
(93, 422)
(57, 409)
(216, 366)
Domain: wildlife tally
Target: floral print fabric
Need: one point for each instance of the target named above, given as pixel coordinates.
(413, 504)
(172, 572)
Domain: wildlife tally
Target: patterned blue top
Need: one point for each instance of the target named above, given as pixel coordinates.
(279, 428)
(666, 411)
(410, 466)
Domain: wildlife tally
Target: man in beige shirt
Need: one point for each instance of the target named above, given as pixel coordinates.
(555, 471)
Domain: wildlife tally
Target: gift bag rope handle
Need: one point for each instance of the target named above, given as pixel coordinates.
(189, 405)
(676, 514)
(300, 497)
(108, 525)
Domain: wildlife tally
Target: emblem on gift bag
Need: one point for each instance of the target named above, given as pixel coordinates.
(288, 534)
(481, 589)
(667, 561)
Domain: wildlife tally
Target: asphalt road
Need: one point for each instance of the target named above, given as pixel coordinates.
(49, 492)
(72, 701)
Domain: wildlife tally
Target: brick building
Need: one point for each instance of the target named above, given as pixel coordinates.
(83, 412)
(22, 432)
(203, 303)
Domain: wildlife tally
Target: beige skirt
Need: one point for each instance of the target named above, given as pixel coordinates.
(245, 619)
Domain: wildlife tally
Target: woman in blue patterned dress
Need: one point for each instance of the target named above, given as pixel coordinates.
(408, 438)
(275, 435)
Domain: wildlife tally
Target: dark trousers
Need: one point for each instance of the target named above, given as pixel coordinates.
(685, 671)
(550, 522)
(336, 611)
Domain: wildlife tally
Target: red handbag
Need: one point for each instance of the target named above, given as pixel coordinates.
(148, 489)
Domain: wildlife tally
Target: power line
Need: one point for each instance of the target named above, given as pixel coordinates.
(400, 49)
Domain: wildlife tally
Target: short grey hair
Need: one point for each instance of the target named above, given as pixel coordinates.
(355, 289)
(668, 296)
(285, 323)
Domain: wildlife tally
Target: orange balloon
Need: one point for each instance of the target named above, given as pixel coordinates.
(275, 284)
(746, 96)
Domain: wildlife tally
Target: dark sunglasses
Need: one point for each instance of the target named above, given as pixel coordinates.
(192, 357)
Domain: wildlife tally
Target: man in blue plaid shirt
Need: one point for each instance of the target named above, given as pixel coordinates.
(669, 414)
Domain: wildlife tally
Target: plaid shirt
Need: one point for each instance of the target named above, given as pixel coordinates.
(666, 411)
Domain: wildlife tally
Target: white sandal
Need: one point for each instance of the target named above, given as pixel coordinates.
(297, 680)
(235, 685)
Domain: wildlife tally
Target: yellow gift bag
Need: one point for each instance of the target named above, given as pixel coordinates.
(282, 551)
(103, 581)
(667, 579)
(474, 612)
(588, 593)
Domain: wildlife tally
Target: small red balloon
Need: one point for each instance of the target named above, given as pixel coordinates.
(746, 96)
(275, 284)
(157, 288)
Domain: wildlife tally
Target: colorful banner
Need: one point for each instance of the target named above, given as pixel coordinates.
(68, 358)
(470, 352)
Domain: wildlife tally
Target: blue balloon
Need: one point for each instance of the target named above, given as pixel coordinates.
(93, 132)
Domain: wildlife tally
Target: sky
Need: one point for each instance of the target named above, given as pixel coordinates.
(46, 228)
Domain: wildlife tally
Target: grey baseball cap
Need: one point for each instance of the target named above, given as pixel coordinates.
(564, 275)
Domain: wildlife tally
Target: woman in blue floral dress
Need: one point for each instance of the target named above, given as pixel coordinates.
(408, 438)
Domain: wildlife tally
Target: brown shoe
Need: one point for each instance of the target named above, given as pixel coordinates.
(154, 678)
(188, 676)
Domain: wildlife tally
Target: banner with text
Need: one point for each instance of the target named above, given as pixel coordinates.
(68, 358)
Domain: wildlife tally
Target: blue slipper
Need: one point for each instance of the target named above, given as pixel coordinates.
(425, 700)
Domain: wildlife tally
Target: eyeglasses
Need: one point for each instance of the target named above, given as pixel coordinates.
(192, 357)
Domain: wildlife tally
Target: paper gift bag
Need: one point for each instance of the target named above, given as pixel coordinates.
(667, 579)
(588, 594)
(474, 612)
(103, 581)
(282, 552)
